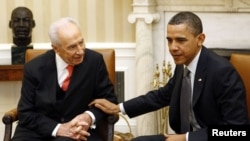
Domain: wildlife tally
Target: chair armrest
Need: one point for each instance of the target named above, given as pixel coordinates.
(106, 127)
(8, 118)
(112, 119)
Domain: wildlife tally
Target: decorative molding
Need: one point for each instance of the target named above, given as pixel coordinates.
(148, 18)
(123, 50)
(5, 54)
(247, 2)
(144, 9)
(204, 5)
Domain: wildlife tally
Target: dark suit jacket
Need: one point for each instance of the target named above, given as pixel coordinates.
(38, 109)
(219, 97)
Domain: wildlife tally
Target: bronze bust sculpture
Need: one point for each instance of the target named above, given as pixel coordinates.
(21, 23)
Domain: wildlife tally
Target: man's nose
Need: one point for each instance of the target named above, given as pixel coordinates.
(173, 46)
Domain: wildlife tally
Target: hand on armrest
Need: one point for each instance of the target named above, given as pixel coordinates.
(106, 106)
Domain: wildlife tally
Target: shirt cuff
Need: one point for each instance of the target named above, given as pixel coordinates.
(187, 136)
(122, 108)
(93, 126)
(55, 130)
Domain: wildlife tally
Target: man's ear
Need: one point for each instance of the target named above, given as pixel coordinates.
(34, 23)
(201, 39)
(10, 24)
(55, 48)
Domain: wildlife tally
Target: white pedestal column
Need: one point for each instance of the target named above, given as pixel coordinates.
(144, 73)
(143, 17)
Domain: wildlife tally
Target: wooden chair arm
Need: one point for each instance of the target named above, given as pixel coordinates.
(108, 123)
(10, 116)
(112, 119)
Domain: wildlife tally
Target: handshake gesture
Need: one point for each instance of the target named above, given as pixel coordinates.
(77, 128)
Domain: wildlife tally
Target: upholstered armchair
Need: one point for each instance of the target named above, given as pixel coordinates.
(242, 64)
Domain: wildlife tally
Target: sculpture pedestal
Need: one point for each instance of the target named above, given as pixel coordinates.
(18, 54)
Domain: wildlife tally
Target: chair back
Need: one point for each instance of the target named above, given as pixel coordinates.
(242, 64)
(108, 56)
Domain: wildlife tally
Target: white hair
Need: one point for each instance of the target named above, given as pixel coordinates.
(56, 26)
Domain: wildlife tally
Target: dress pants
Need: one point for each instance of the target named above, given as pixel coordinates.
(150, 138)
(53, 139)
(35, 137)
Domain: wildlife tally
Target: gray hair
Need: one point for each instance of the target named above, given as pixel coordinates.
(56, 26)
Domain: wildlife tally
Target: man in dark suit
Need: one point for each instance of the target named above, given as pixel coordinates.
(48, 112)
(218, 94)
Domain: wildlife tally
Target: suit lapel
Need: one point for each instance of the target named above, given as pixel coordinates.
(200, 76)
(50, 75)
(175, 98)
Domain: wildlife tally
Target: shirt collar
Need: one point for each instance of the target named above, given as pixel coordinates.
(193, 64)
(60, 64)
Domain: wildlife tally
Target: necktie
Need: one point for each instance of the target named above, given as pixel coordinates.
(67, 79)
(185, 101)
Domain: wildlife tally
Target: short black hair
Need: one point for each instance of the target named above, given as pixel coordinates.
(189, 18)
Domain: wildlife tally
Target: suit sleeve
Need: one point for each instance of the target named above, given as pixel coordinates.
(150, 101)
